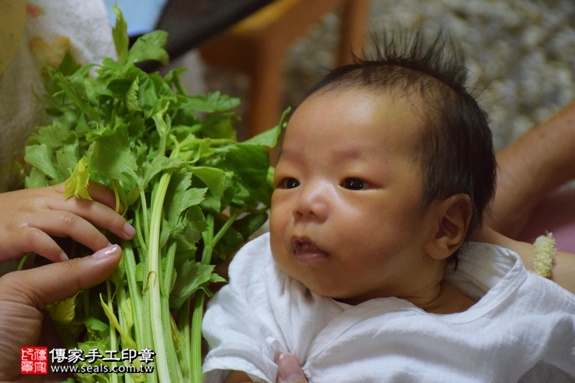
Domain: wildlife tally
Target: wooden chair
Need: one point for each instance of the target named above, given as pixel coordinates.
(258, 44)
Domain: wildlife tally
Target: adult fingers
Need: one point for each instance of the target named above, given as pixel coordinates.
(36, 236)
(98, 213)
(31, 216)
(51, 283)
(97, 192)
(24, 294)
(289, 370)
(33, 240)
(65, 224)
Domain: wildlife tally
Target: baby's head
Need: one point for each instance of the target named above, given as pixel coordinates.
(385, 168)
(456, 149)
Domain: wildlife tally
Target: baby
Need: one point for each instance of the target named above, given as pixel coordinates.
(367, 274)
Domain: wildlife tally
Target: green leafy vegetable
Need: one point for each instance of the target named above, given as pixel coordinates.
(193, 192)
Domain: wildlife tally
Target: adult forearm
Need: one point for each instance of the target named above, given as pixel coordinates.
(532, 167)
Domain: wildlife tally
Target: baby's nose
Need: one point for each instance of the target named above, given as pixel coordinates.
(312, 202)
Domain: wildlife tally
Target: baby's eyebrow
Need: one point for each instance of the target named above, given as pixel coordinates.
(286, 154)
(342, 154)
(352, 152)
(360, 153)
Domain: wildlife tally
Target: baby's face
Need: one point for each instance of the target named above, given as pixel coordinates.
(346, 217)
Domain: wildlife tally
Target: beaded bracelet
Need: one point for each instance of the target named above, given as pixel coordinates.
(545, 253)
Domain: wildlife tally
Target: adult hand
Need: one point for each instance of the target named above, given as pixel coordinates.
(37, 215)
(24, 295)
(289, 370)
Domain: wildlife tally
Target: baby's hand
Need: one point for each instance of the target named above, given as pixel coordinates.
(29, 219)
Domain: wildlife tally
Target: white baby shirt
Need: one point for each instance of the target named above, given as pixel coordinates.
(521, 329)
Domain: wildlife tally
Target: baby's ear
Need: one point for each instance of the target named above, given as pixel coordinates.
(452, 217)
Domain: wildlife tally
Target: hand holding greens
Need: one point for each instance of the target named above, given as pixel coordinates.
(193, 192)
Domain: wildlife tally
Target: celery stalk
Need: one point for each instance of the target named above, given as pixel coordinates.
(153, 281)
(175, 166)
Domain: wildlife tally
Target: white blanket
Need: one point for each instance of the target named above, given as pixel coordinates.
(521, 329)
(52, 28)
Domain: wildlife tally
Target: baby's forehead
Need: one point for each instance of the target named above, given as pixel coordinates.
(417, 99)
(387, 116)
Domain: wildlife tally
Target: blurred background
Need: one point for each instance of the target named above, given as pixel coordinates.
(520, 53)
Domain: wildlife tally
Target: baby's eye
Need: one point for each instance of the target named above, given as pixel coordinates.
(354, 184)
(288, 183)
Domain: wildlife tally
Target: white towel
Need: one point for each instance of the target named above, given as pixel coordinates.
(52, 28)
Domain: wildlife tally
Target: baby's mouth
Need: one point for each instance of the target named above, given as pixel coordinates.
(306, 251)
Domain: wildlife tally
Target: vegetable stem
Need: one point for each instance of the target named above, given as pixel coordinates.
(210, 242)
(113, 338)
(166, 315)
(129, 264)
(196, 338)
(154, 279)
(186, 354)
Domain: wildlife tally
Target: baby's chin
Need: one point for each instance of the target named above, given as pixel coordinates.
(325, 291)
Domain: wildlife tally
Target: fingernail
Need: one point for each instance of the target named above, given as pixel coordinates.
(129, 230)
(63, 257)
(289, 370)
(106, 252)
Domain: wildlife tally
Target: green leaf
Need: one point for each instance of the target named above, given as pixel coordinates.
(220, 126)
(195, 224)
(68, 65)
(40, 157)
(249, 163)
(35, 179)
(66, 158)
(213, 178)
(113, 158)
(63, 311)
(211, 102)
(150, 47)
(231, 240)
(154, 95)
(181, 196)
(159, 164)
(73, 92)
(250, 223)
(270, 137)
(132, 97)
(120, 35)
(54, 135)
(95, 324)
(77, 183)
(191, 277)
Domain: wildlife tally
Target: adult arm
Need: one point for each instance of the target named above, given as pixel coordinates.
(563, 266)
(530, 168)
